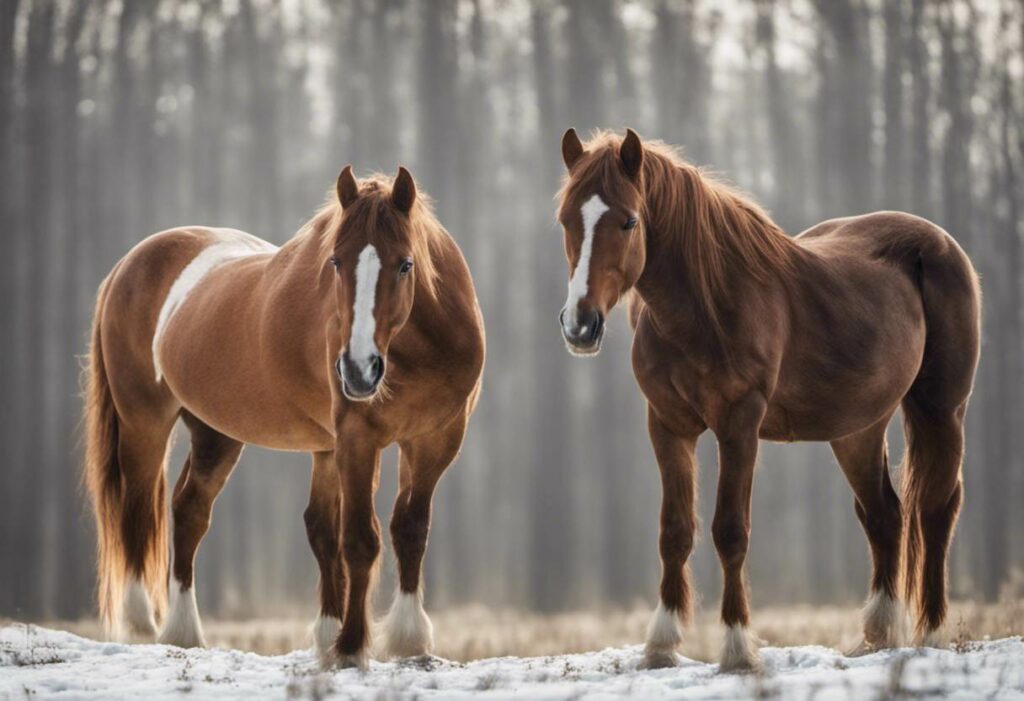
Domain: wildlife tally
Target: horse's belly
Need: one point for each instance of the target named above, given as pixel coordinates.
(825, 411)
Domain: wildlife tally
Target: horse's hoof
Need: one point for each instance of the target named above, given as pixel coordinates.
(739, 653)
(359, 660)
(860, 649)
(659, 659)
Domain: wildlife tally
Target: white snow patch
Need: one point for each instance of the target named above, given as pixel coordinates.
(46, 663)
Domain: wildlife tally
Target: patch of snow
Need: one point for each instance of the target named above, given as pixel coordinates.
(46, 663)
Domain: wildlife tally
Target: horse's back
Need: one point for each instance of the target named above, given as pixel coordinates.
(143, 290)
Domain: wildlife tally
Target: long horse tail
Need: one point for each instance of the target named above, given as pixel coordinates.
(933, 418)
(103, 477)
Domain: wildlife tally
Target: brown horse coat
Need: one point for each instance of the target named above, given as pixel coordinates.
(243, 340)
(750, 333)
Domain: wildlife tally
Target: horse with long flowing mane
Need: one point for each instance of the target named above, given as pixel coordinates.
(753, 334)
(362, 331)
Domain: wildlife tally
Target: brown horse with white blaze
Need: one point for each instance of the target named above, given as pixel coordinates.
(743, 330)
(362, 331)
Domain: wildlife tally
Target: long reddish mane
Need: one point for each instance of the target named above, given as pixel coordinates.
(713, 226)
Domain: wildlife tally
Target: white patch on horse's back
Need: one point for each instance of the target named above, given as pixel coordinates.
(182, 627)
(592, 211)
(361, 345)
(232, 246)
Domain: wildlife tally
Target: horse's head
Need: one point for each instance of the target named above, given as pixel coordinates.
(375, 253)
(600, 213)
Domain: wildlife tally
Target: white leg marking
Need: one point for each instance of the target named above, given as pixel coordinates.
(407, 629)
(578, 284)
(237, 245)
(361, 345)
(885, 621)
(182, 627)
(664, 633)
(138, 611)
(325, 632)
(739, 652)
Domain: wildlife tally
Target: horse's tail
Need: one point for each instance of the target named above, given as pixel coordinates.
(103, 477)
(933, 421)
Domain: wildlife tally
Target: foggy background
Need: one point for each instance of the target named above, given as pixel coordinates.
(119, 119)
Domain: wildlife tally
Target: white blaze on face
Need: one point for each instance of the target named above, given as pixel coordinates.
(361, 346)
(578, 284)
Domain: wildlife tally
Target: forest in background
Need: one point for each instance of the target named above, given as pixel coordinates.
(119, 118)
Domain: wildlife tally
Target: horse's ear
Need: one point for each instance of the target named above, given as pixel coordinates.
(348, 188)
(403, 192)
(572, 149)
(631, 153)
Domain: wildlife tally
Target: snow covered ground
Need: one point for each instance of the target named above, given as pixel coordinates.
(41, 663)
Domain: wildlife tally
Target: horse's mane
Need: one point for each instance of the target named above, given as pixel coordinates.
(374, 213)
(714, 227)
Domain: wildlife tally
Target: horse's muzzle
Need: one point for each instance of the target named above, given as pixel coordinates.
(583, 336)
(360, 380)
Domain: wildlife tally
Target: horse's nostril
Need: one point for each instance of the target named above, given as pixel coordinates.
(377, 365)
(596, 325)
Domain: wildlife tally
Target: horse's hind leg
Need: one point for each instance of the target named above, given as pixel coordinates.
(866, 466)
(407, 629)
(323, 528)
(209, 463)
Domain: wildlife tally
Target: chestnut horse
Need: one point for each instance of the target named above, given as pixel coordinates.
(363, 330)
(743, 330)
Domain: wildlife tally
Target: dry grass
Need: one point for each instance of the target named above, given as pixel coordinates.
(476, 632)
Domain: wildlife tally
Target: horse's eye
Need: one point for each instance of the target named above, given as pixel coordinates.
(630, 223)
(333, 260)
(406, 266)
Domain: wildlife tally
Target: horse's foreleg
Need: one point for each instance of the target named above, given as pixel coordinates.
(737, 453)
(323, 528)
(407, 629)
(865, 464)
(358, 464)
(210, 461)
(678, 465)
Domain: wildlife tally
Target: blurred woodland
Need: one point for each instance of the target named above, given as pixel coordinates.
(122, 118)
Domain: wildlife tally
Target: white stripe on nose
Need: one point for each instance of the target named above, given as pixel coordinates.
(578, 284)
(361, 346)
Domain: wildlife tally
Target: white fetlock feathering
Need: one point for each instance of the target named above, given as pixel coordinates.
(739, 653)
(325, 633)
(885, 621)
(407, 629)
(138, 611)
(664, 634)
(182, 627)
